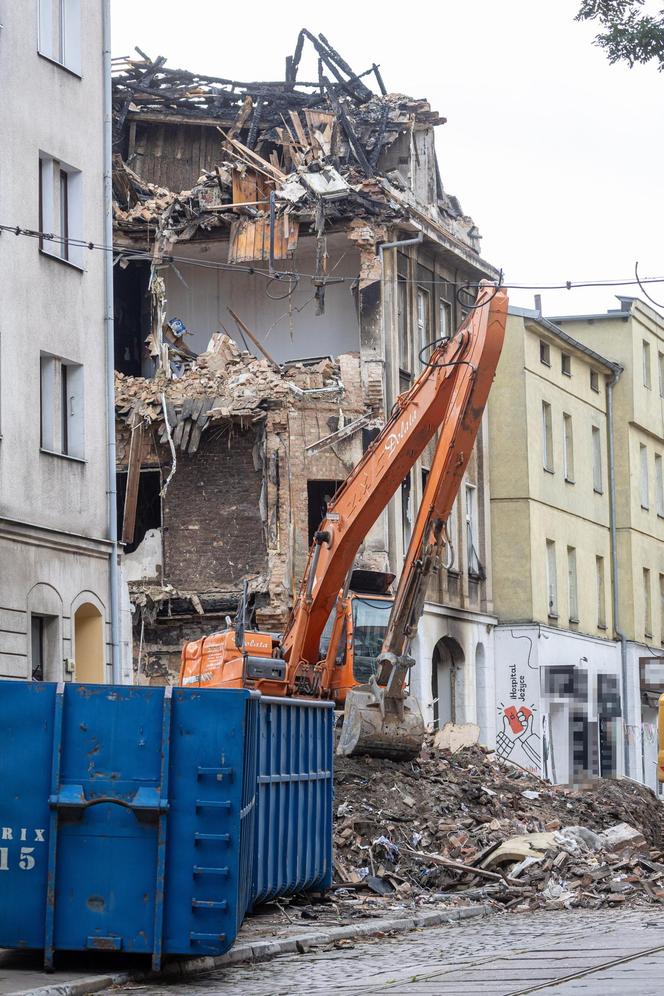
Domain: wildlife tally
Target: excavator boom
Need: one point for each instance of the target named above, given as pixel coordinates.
(380, 718)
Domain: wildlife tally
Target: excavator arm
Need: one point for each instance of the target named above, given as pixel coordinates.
(378, 717)
(450, 394)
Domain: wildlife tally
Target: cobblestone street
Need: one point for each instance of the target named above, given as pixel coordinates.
(566, 953)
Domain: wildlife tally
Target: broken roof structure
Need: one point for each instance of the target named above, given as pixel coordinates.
(276, 160)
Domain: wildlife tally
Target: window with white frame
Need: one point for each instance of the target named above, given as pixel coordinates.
(646, 363)
(59, 36)
(551, 580)
(445, 319)
(569, 448)
(659, 485)
(647, 603)
(60, 210)
(601, 593)
(472, 533)
(572, 585)
(452, 531)
(547, 437)
(566, 364)
(660, 367)
(643, 476)
(594, 381)
(598, 486)
(423, 319)
(61, 406)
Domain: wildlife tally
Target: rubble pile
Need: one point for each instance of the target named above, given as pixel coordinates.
(222, 383)
(468, 826)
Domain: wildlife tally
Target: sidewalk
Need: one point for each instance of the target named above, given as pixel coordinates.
(261, 938)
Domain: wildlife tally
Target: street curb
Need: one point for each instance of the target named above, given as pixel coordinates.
(256, 951)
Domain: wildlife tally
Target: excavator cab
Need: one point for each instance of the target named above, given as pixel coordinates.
(377, 720)
(360, 642)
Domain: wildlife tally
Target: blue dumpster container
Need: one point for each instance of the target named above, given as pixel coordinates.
(126, 817)
(294, 799)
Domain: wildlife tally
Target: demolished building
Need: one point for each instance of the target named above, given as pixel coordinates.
(286, 253)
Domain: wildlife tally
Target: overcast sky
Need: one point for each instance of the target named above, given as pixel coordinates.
(557, 155)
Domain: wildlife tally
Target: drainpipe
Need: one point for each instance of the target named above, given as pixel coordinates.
(109, 342)
(614, 560)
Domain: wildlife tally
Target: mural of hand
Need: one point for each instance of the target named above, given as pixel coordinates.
(505, 739)
(529, 740)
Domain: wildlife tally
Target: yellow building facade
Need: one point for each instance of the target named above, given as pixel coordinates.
(633, 336)
(557, 662)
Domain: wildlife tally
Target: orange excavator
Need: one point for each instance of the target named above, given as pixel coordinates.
(330, 647)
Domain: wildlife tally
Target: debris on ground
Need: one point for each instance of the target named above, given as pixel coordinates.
(466, 826)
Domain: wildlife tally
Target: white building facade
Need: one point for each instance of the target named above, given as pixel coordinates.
(56, 543)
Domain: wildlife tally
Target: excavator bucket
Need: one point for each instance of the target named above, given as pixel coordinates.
(387, 728)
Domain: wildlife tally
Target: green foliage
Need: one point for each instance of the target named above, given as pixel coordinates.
(629, 34)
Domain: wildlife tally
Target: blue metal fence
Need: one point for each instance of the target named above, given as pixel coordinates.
(294, 800)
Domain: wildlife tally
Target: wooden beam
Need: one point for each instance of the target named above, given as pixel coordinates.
(133, 481)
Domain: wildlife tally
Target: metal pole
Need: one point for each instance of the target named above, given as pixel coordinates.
(615, 595)
(109, 342)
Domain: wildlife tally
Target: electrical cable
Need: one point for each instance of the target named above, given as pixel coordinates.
(128, 253)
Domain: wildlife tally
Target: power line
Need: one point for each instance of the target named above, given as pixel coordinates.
(139, 255)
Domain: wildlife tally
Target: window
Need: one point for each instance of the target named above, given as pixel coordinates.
(566, 364)
(37, 647)
(647, 603)
(61, 406)
(646, 364)
(445, 319)
(643, 476)
(319, 494)
(60, 32)
(406, 511)
(423, 319)
(569, 448)
(60, 209)
(545, 353)
(451, 560)
(547, 437)
(572, 586)
(659, 485)
(597, 460)
(474, 565)
(594, 381)
(660, 367)
(661, 609)
(601, 593)
(402, 318)
(551, 583)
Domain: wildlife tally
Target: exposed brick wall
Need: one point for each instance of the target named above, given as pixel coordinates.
(214, 535)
